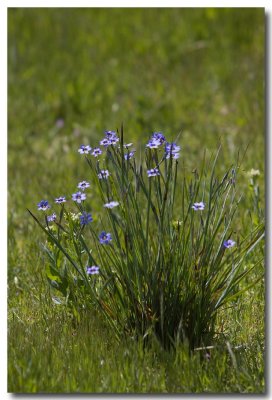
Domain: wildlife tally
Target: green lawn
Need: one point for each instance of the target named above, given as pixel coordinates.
(194, 72)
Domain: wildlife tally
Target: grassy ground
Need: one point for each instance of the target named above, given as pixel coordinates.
(198, 72)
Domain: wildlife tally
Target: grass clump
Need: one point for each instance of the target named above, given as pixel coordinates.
(161, 258)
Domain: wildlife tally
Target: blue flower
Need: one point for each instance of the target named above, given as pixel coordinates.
(79, 197)
(51, 218)
(128, 156)
(175, 156)
(111, 204)
(159, 136)
(153, 144)
(198, 206)
(43, 205)
(60, 200)
(93, 270)
(110, 134)
(83, 185)
(172, 150)
(96, 152)
(104, 174)
(105, 142)
(85, 218)
(229, 243)
(111, 138)
(156, 141)
(153, 172)
(172, 147)
(84, 149)
(105, 238)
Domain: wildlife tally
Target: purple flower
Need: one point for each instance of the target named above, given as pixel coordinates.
(127, 145)
(60, 200)
(83, 185)
(105, 142)
(175, 156)
(159, 136)
(43, 205)
(111, 204)
(51, 218)
(104, 174)
(172, 148)
(96, 152)
(111, 138)
(78, 197)
(84, 149)
(153, 172)
(93, 270)
(198, 206)
(153, 144)
(105, 238)
(114, 140)
(111, 135)
(128, 156)
(156, 141)
(229, 243)
(85, 218)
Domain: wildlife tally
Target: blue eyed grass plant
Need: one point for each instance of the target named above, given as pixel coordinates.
(160, 258)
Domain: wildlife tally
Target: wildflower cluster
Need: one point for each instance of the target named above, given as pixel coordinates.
(86, 149)
(110, 138)
(163, 252)
(171, 148)
(79, 197)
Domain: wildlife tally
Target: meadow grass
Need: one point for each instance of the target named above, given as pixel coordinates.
(85, 357)
(198, 72)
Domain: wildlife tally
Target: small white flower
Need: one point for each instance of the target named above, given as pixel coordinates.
(253, 172)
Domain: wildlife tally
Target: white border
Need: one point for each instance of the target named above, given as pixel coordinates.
(3, 146)
(136, 3)
(3, 201)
